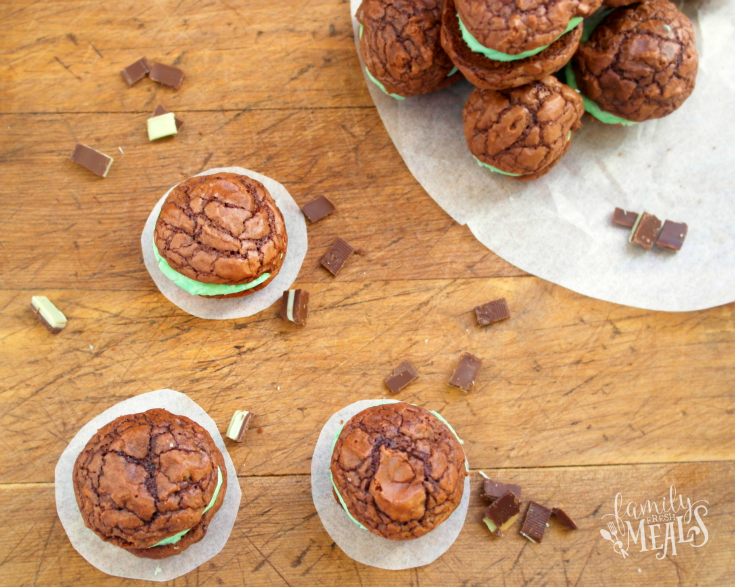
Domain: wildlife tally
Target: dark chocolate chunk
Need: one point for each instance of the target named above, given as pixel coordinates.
(624, 218)
(335, 258)
(534, 526)
(501, 513)
(239, 423)
(564, 518)
(135, 72)
(494, 489)
(466, 372)
(491, 312)
(672, 235)
(295, 306)
(645, 230)
(318, 209)
(98, 163)
(161, 110)
(404, 374)
(168, 75)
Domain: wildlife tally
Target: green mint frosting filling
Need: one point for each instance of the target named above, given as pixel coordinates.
(478, 47)
(176, 537)
(381, 86)
(591, 107)
(197, 288)
(494, 169)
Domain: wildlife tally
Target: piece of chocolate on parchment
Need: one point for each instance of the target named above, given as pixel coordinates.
(564, 518)
(335, 258)
(492, 490)
(537, 518)
(492, 312)
(465, 374)
(645, 231)
(295, 306)
(404, 374)
(135, 72)
(49, 315)
(318, 209)
(672, 235)
(239, 423)
(623, 218)
(501, 513)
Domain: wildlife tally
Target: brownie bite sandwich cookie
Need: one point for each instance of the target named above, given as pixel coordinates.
(222, 237)
(150, 483)
(639, 63)
(389, 482)
(400, 45)
(145, 490)
(500, 44)
(522, 132)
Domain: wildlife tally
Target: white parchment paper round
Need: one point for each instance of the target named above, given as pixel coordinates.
(362, 545)
(224, 309)
(681, 168)
(113, 560)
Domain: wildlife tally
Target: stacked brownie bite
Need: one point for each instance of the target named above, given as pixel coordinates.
(623, 63)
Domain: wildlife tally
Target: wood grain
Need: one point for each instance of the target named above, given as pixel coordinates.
(578, 399)
(278, 538)
(591, 383)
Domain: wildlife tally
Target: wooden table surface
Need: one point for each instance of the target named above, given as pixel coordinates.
(578, 399)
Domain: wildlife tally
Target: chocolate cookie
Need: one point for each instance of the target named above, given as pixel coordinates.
(513, 27)
(399, 43)
(398, 470)
(493, 74)
(220, 235)
(522, 132)
(639, 63)
(150, 483)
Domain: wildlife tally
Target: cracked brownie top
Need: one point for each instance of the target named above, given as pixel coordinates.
(221, 229)
(401, 47)
(145, 478)
(523, 130)
(516, 26)
(640, 62)
(399, 470)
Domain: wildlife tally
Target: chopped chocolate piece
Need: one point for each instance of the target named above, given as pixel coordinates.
(672, 235)
(161, 110)
(162, 126)
(534, 526)
(98, 163)
(135, 72)
(501, 513)
(238, 425)
(466, 372)
(564, 518)
(295, 306)
(494, 489)
(645, 230)
(404, 374)
(624, 218)
(491, 312)
(48, 314)
(168, 75)
(336, 256)
(318, 209)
